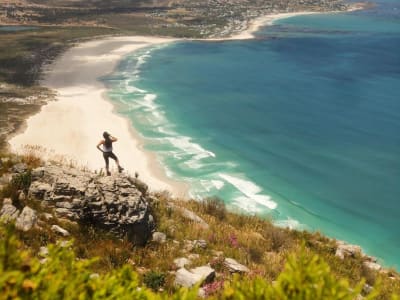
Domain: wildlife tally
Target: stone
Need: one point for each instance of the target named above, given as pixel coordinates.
(159, 237)
(113, 203)
(187, 278)
(235, 267)
(372, 265)
(367, 288)
(39, 190)
(8, 212)
(181, 262)
(19, 168)
(65, 204)
(344, 250)
(27, 219)
(59, 230)
(43, 251)
(207, 273)
(200, 244)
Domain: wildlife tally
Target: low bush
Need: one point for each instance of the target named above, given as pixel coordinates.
(154, 280)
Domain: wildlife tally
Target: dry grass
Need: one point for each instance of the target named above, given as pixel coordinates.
(252, 241)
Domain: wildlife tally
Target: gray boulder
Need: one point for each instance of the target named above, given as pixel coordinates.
(59, 230)
(27, 219)
(207, 273)
(235, 267)
(113, 203)
(8, 212)
(344, 250)
(159, 237)
(372, 265)
(187, 278)
(19, 168)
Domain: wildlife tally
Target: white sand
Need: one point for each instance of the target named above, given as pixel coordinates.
(257, 23)
(73, 124)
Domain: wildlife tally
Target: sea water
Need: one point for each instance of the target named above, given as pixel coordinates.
(301, 124)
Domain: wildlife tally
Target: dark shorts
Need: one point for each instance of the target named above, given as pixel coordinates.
(107, 155)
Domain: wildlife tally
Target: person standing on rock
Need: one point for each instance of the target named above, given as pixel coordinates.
(108, 151)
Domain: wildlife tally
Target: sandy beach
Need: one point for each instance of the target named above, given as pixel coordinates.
(262, 21)
(72, 125)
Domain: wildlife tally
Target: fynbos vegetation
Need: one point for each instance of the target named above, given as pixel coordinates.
(248, 257)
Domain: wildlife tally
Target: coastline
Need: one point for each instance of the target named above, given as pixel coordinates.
(70, 128)
(262, 21)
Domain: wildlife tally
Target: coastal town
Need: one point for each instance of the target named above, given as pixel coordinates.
(183, 18)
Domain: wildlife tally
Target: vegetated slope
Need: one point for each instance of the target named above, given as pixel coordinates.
(273, 262)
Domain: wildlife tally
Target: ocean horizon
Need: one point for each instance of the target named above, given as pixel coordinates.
(300, 125)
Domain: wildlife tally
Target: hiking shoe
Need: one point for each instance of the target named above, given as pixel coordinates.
(120, 169)
(108, 173)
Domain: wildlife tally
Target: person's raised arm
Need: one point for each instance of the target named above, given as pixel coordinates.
(113, 138)
(99, 144)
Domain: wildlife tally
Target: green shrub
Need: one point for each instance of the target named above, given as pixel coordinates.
(19, 182)
(154, 280)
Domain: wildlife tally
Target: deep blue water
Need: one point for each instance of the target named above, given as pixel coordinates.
(301, 124)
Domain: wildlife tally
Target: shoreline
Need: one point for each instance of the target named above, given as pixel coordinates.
(71, 128)
(263, 21)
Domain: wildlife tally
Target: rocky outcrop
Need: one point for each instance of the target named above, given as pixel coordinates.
(344, 250)
(113, 203)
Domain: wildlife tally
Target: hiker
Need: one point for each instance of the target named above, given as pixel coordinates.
(108, 151)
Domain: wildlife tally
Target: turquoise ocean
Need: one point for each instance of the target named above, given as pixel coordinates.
(301, 124)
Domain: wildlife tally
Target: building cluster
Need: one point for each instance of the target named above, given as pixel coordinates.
(208, 18)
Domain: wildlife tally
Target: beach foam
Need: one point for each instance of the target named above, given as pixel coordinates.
(250, 190)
